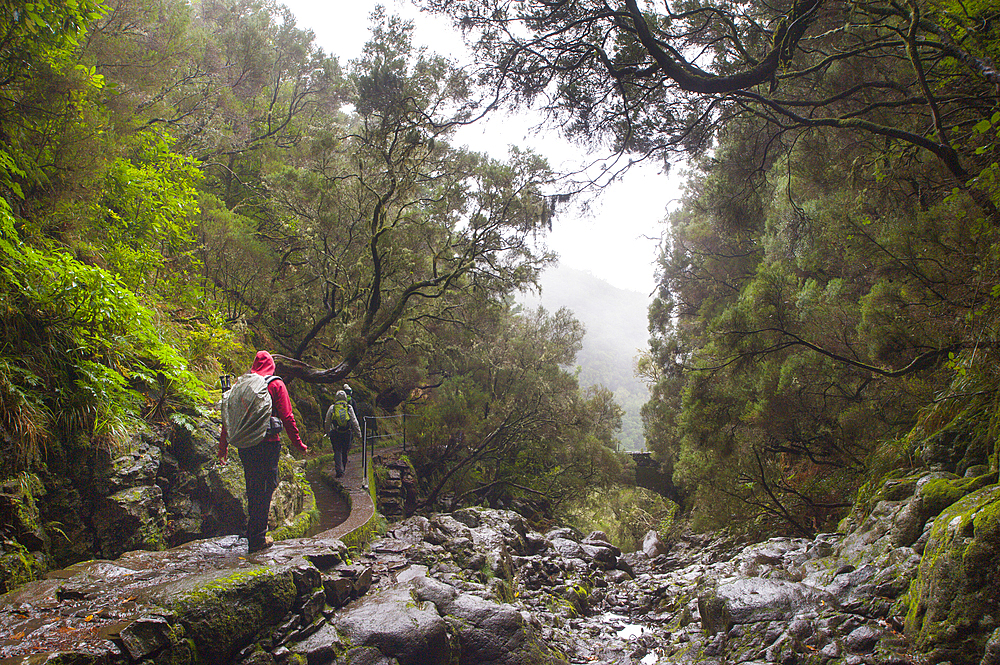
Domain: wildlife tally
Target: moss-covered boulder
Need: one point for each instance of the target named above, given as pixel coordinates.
(131, 519)
(901, 513)
(206, 602)
(961, 443)
(222, 610)
(954, 604)
(18, 565)
(293, 506)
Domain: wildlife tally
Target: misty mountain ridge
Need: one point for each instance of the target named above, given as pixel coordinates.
(616, 323)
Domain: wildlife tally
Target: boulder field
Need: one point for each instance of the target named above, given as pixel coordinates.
(912, 581)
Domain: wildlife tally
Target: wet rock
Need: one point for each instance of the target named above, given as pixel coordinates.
(653, 546)
(862, 639)
(20, 518)
(339, 590)
(450, 527)
(566, 548)
(365, 656)
(130, 519)
(601, 554)
(903, 511)
(535, 543)
(487, 632)
(758, 599)
(991, 655)
(147, 635)
(411, 632)
(469, 517)
(322, 646)
(956, 584)
(195, 449)
(222, 610)
(565, 532)
(206, 597)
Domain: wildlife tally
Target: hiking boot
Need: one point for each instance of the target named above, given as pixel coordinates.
(258, 545)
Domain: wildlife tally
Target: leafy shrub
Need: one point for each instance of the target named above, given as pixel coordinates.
(80, 354)
(624, 513)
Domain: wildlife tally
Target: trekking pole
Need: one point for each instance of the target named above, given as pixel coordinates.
(364, 455)
(226, 381)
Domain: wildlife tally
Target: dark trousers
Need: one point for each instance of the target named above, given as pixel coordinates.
(341, 442)
(260, 470)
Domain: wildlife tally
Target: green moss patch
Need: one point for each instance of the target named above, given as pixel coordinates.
(957, 589)
(222, 611)
(306, 519)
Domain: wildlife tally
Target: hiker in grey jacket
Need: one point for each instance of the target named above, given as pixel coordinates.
(338, 423)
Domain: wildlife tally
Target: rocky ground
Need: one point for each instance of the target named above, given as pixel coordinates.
(480, 587)
(163, 490)
(912, 577)
(700, 600)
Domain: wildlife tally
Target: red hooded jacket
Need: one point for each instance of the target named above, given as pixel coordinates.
(263, 364)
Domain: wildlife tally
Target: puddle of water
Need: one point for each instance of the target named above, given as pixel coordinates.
(625, 630)
(630, 632)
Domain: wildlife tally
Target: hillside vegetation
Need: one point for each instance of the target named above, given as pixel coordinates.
(615, 321)
(184, 183)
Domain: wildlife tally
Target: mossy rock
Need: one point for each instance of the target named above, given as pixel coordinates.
(134, 518)
(939, 493)
(367, 532)
(957, 590)
(223, 610)
(24, 543)
(961, 443)
(306, 518)
(17, 566)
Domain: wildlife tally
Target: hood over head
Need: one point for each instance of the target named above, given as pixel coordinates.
(263, 364)
(340, 396)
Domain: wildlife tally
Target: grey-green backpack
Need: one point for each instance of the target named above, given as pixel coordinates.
(246, 410)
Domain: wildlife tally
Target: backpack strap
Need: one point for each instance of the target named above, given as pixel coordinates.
(267, 381)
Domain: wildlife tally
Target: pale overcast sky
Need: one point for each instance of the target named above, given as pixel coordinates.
(616, 241)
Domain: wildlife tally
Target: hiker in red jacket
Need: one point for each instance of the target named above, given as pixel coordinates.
(260, 462)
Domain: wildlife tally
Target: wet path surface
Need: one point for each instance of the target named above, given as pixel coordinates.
(361, 506)
(86, 605)
(88, 609)
(85, 608)
(332, 505)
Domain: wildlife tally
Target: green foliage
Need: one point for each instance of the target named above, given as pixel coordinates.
(145, 218)
(625, 513)
(79, 349)
(788, 348)
(42, 33)
(508, 422)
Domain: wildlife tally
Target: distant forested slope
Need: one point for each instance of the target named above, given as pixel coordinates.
(616, 323)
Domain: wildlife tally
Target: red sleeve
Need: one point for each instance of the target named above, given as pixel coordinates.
(223, 442)
(283, 407)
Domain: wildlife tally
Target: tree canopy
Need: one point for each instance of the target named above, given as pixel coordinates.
(181, 184)
(666, 76)
(832, 267)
